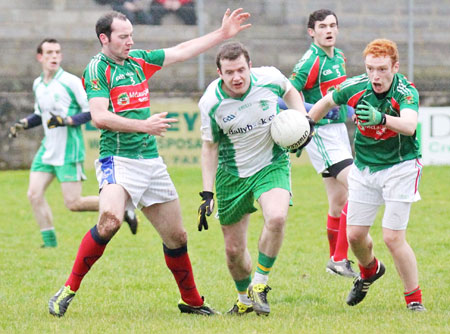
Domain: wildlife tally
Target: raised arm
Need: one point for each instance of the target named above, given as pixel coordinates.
(232, 24)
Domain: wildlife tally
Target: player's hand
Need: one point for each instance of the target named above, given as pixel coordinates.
(158, 124)
(297, 151)
(333, 114)
(205, 209)
(18, 126)
(232, 22)
(368, 114)
(56, 121)
(311, 134)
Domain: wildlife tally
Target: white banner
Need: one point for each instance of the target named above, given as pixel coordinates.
(434, 133)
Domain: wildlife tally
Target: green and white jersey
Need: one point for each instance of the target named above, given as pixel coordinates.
(126, 87)
(316, 74)
(377, 147)
(64, 96)
(241, 127)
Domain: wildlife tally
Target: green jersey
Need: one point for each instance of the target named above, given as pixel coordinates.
(316, 74)
(63, 96)
(126, 87)
(377, 147)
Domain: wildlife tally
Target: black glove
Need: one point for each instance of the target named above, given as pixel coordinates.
(18, 126)
(56, 121)
(205, 209)
(311, 134)
(297, 151)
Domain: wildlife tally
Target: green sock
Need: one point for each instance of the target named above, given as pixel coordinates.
(242, 285)
(49, 238)
(265, 264)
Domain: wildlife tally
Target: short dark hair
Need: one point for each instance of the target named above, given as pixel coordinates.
(45, 40)
(320, 15)
(103, 25)
(231, 51)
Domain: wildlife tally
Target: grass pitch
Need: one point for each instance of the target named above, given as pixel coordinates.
(130, 290)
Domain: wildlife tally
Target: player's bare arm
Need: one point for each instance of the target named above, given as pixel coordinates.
(293, 100)
(232, 24)
(406, 124)
(209, 161)
(103, 119)
(321, 108)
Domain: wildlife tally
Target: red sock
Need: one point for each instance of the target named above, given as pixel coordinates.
(91, 249)
(414, 295)
(178, 262)
(342, 244)
(332, 232)
(369, 271)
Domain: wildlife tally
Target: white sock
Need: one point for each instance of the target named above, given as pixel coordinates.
(260, 278)
(243, 298)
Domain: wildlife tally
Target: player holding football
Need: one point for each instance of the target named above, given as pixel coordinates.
(129, 171)
(319, 70)
(240, 157)
(387, 166)
(61, 107)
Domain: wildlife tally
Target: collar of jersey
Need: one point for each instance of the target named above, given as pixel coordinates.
(391, 89)
(56, 76)
(110, 61)
(320, 51)
(226, 96)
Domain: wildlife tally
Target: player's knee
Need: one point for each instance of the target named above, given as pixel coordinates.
(178, 238)
(108, 225)
(393, 240)
(234, 251)
(34, 196)
(355, 236)
(73, 204)
(276, 223)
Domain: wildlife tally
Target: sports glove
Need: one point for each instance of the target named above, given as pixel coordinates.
(311, 134)
(369, 114)
(297, 151)
(205, 209)
(56, 121)
(18, 126)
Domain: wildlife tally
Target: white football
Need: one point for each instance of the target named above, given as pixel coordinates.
(289, 129)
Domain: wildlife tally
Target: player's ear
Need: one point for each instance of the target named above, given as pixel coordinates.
(311, 32)
(395, 67)
(250, 64)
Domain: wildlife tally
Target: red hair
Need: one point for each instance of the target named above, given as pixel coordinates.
(382, 48)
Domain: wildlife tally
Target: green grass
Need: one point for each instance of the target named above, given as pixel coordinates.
(130, 290)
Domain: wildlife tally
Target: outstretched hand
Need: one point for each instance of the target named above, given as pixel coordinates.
(158, 124)
(15, 128)
(232, 22)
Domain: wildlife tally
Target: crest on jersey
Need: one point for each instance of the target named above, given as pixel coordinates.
(409, 99)
(95, 84)
(123, 99)
(264, 104)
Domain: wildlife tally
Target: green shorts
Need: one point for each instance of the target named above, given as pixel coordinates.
(236, 195)
(70, 172)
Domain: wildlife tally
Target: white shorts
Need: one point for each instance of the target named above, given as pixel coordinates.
(329, 145)
(398, 183)
(396, 187)
(146, 180)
